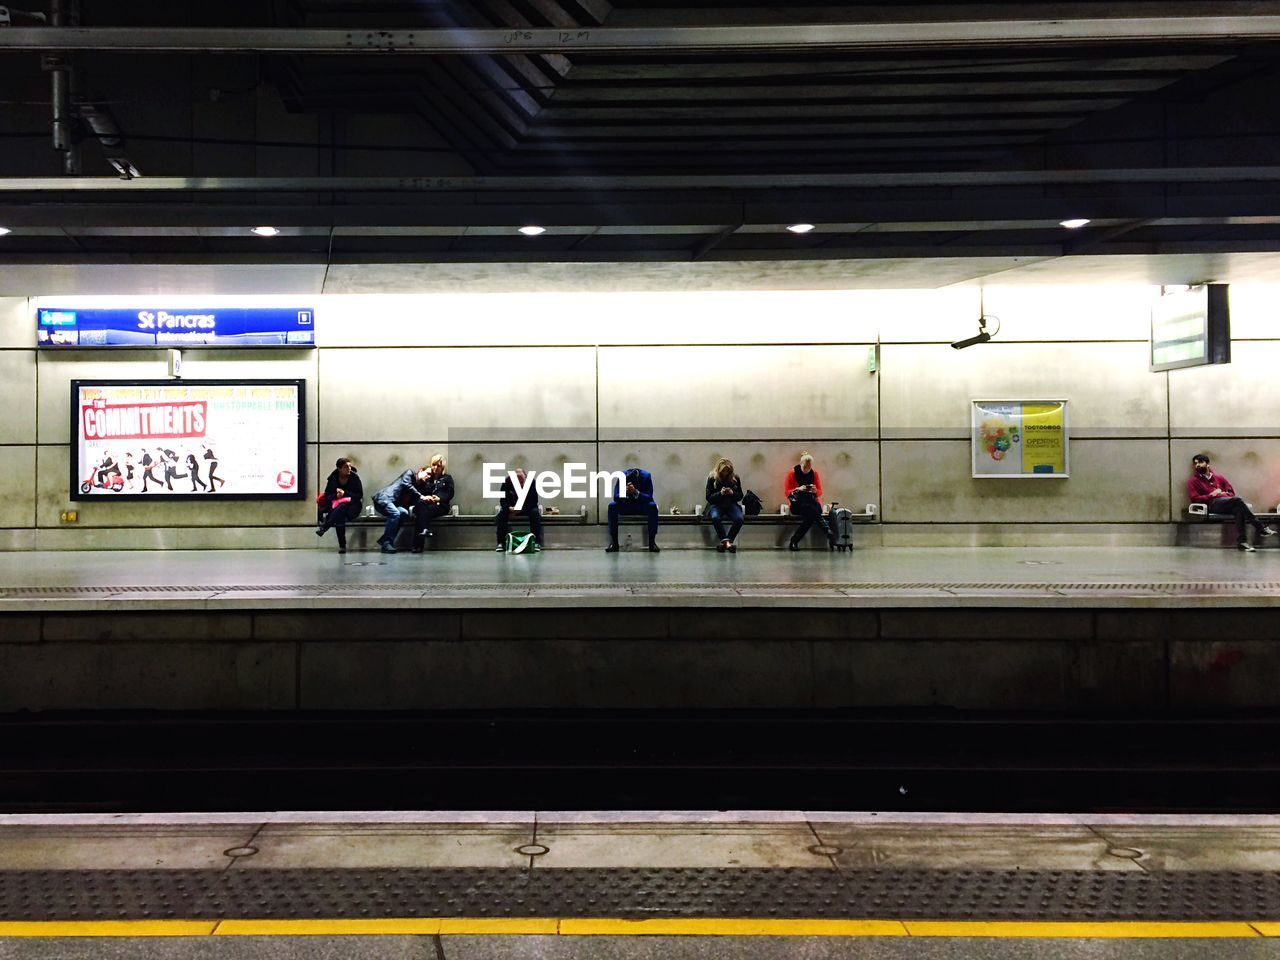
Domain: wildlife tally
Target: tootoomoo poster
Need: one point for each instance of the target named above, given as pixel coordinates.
(1019, 438)
(178, 439)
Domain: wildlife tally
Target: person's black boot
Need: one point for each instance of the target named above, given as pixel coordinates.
(792, 545)
(611, 548)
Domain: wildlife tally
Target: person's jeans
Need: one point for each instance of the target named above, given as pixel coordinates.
(810, 513)
(534, 516)
(336, 519)
(732, 513)
(638, 508)
(1235, 507)
(423, 514)
(395, 515)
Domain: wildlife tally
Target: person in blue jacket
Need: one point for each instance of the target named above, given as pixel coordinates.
(635, 499)
(396, 502)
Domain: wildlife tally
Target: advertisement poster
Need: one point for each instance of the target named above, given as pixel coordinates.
(180, 439)
(1019, 438)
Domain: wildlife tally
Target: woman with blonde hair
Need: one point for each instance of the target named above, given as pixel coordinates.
(724, 502)
(803, 489)
(437, 494)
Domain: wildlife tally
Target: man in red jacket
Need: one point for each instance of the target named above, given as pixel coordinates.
(1205, 486)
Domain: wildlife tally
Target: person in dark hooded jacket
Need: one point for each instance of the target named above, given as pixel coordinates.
(341, 501)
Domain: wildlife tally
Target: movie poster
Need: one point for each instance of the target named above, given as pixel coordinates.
(1019, 438)
(196, 438)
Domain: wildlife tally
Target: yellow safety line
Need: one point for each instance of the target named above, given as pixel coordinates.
(683, 926)
(1084, 929)
(427, 926)
(107, 928)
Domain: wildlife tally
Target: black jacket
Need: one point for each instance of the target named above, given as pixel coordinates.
(509, 495)
(353, 487)
(718, 499)
(441, 486)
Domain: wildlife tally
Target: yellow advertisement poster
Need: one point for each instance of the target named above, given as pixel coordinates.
(1019, 438)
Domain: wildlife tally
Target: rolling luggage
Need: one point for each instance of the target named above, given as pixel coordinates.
(841, 521)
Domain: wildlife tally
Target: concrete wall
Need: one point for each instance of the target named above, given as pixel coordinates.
(1047, 659)
(671, 381)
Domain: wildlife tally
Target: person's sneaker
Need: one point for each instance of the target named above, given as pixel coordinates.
(654, 548)
(1246, 547)
(500, 549)
(386, 548)
(611, 548)
(1267, 532)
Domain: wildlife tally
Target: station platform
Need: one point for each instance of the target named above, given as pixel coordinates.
(639, 884)
(865, 577)
(985, 628)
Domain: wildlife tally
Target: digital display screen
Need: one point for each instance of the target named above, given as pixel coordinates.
(187, 327)
(188, 439)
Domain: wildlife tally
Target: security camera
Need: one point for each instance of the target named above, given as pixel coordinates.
(980, 337)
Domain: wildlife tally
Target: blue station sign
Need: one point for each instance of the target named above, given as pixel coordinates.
(186, 327)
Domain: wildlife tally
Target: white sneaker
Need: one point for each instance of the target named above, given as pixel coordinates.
(1246, 547)
(1267, 532)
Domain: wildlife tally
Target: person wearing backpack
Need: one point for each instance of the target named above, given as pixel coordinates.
(724, 503)
(803, 489)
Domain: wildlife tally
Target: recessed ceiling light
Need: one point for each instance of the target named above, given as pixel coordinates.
(800, 227)
(265, 231)
(4, 231)
(532, 230)
(1074, 224)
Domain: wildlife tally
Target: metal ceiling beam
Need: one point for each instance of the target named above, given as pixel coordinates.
(809, 38)
(570, 184)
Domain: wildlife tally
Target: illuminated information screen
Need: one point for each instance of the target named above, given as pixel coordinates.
(187, 439)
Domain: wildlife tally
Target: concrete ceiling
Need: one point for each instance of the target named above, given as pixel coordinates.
(956, 133)
(399, 278)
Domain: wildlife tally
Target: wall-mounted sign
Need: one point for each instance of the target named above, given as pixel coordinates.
(1019, 438)
(188, 439)
(1191, 328)
(186, 327)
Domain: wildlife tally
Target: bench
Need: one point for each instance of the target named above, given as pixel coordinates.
(1196, 514)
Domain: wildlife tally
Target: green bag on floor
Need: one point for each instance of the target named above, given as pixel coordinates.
(522, 543)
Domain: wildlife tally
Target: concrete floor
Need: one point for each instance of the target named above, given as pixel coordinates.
(812, 840)
(666, 839)
(1160, 576)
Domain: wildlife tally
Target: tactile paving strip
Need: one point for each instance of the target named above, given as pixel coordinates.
(637, 894)
(1172, 589)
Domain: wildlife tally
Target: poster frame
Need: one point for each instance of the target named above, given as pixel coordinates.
(975, 441)
(73, 446)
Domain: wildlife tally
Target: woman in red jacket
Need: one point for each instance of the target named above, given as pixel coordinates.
(803, 488)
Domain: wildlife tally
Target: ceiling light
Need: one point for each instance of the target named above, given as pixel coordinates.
(265, 231)
(532, 230)
(4, 231)
(800, 227)
(1075, 224)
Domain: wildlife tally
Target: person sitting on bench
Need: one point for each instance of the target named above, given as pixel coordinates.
(396, 501)
(724, 504)
(341, 501)
(636, 499)
(438, 491)
(803, 489)
(507, 510)
(1215, 490)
